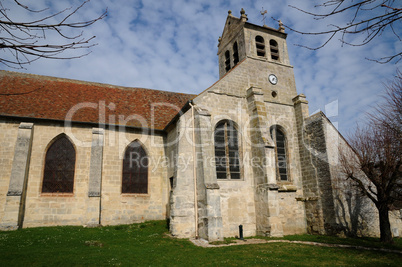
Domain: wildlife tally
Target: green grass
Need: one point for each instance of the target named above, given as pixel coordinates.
(148, 244)
(369, 242)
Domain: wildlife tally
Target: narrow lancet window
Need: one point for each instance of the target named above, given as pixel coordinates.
(281, 154)
(227, 151)
(58, 176)
(135, 170)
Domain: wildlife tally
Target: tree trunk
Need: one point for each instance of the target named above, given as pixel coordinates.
(385, 226)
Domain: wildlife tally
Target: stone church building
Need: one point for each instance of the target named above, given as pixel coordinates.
(243, 152)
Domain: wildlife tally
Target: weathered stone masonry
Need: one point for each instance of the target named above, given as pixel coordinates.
(286, 185)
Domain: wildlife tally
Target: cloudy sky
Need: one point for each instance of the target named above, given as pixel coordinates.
(172, 44)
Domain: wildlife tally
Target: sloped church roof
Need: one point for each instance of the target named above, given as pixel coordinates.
(41, 97)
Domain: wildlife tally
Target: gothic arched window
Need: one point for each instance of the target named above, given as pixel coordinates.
(235, 54)
(260, 45)
(58, 175)
(273, 45)
(227, 159)
(227, 60)
(135, 169)
(281, 153)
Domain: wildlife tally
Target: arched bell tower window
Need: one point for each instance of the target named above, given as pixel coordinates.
(260, 45)
(227, 151)
(235, 54)
(58, 176)
(135, 169)
(281, 153)
(227, 60)
(273, 45)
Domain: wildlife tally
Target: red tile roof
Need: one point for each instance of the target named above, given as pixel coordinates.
(34, 96)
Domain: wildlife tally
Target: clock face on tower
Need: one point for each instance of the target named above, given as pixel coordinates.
(273, 79)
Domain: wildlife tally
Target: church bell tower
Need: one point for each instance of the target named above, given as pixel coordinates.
(241, 39)
(269, 66)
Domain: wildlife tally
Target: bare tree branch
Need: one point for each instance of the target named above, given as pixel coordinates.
(373, 161)
(368, 17)
(393, 8)
(23, 42)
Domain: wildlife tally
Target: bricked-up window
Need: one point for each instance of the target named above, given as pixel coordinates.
(281, 154)
(260, 45)
(227, 151)
(58, 175)
(235, 54)
(227, 60)
(273, 45)
(135, 170)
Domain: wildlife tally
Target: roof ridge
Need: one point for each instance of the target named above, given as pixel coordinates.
(61, 79)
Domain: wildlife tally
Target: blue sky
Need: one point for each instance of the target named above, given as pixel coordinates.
(172, 44)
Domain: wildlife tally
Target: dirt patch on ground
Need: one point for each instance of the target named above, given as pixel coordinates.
(204, 243)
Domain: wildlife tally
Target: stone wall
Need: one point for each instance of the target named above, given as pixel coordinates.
(226, 99)
(44, 209)
(311, 199)
(233, 33)
(236, 196)
(292, 212)
(355, 214)
(81, 207)
(395, 218)
(182, 205)
(291, 209)
(8, 138)
(268, 34)
(118, 208)
(315, 133)
(336, 206)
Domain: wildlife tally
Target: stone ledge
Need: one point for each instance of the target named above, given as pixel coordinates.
(287, 188)
(26, 125)
(100, 131)
(300, 99)
(212, 186)
(202, 111)
(272, 186)
(254, 90)
(14, 193)
(94, 194)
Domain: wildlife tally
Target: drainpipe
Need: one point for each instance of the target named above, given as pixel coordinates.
(195, 175)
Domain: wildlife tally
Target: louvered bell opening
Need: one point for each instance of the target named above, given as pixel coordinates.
(260, 49)
(273, 46)
(235, 54)
(227, 61)
(274, 52)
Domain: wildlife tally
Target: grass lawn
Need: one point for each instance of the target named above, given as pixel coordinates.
(148, 244)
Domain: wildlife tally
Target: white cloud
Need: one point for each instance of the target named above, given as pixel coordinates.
(172, 44)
